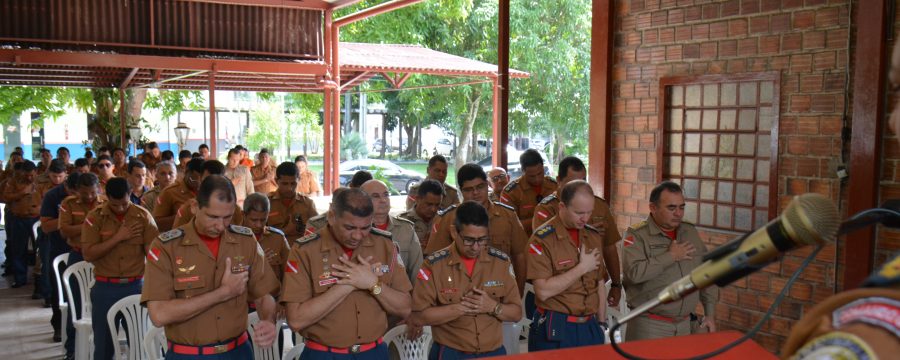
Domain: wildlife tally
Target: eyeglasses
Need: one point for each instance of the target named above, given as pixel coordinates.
(497, 178)
(193, 179)
(104, 165)
(472, 189)
(472, 241)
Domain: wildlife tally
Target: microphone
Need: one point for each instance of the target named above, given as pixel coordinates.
(809, 219)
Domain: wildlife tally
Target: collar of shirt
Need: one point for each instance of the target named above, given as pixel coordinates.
(383, 226)
(573, 235)
(469, 263)
(655, 229)
(211, 243)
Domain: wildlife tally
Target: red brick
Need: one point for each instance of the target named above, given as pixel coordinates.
(651, 4)
(700, 32)
(790, 4)
(801, 63)
(822, 146)
(807, 125)
(643, 21)
(836, 39)
(807, 167)
(748, 47)
(815, 2)
(834, 82)
(791, 42)
(683, 33)
(779, 62)
(717, 67)
(637, 5)
(823, 103)
(658, 18)
(667, 35)
(779, 326)
(731, 8)
(727, 48)
(830, 125)
(824, 61)
(759, 24)
(780, 23)
(673, 53)
(676, 16)
(632, 106)
(710, 11)
(728, 295)
(797, 145)
(769, 44)
(828, 17)
(804, 19)
(749, 7)
(691, 51)
(747, 300)
(736, 66)
(824, 187)
(718, 30)
(800, 103)
(737, 27)
(693, 13)
(811, 83)
(648, 106)
(759, 282)
(814, 40)
(769, 5)
(797, 186)
(650, 37)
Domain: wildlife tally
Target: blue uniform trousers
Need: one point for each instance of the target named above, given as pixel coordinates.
(441, 352)
(240, 352)
(379, 352)
(552, 330)
(18, 235)
(103, 296)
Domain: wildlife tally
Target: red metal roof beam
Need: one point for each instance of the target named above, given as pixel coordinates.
(372, 11)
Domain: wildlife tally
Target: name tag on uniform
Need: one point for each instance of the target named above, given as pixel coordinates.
(328, 281)
(493, 283)
(659, 246)
(187, 279)
(106, 233)
(449, 290)
(565, 262)
(274, 213)
(78, 213)
(527, 206)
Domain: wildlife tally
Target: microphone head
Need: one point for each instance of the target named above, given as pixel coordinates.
(811, 219)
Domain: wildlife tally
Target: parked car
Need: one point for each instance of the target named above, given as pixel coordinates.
(400, 178)
(513, 168)
(443, 146)
(392, 145)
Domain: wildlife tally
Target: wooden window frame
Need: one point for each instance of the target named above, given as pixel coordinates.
(662, 137)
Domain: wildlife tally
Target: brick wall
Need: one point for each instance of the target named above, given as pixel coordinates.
(804, 40)
(888, 241)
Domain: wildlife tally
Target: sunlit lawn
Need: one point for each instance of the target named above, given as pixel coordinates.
(417, 166)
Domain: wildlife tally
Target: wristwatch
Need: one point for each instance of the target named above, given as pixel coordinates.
(615, 285)
(376, 289)
(497, 310)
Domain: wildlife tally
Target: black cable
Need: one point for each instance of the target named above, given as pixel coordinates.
(748, 335)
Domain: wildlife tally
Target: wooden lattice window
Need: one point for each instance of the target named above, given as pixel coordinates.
(720, 142)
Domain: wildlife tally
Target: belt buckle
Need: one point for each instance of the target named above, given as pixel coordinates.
(219, 349)
(122, 280)
(355, 349)
(581, 319)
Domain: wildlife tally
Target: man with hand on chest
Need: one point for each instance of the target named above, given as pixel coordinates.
(341, 283)
(291, 211)
(199, 278)
(466, 291)
(114, 238)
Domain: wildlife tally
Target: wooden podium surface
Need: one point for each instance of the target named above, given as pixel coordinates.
(669, 348)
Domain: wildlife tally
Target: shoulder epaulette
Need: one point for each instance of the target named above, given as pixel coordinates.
(243, 230)
(551, 179)
(497, 253)
(451, 187)
(591, 228)
(438, 255)
(510, 208)
(306, 239)
(687, 222)
(512, 185)
(403, 220)
(638, 225)
(378, 231)
(442, 212)
(171, 235)
(275, 230)
(547, 199)
(544, 231)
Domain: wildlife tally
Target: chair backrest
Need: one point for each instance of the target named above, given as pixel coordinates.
(294, 353)
(83, 272)
(409, 349)
(61, 259)
(35, 227)
(263, 353)
(137, 320)
(614, 314)
(155, 343)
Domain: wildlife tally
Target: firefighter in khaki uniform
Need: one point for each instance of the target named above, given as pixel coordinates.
(341, 283)
(166, 173)
(23, 212)
(272, 240)
(508, 235)
(200, 277)
(185, 212)
(466, 291)
(319, 222)
(114, 238)
(658, 252)
(524, 193)
(290, 211)
(571, 168)
(175, 195)
(430, 193)
(74, 210)
(401, 230)
(437, 170)
(307, 183)
(565, 264)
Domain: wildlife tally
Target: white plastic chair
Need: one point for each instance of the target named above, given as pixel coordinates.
(409, 349)
(614, 314)
(61, 259)
(83, 272)
(137, 321)
(34, 229)
(525, 323)
(272, 352)
(294, 352)
(154, 343)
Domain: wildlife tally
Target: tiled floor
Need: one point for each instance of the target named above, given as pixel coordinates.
(25, 331)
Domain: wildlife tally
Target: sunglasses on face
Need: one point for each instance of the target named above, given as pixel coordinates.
(104, 165)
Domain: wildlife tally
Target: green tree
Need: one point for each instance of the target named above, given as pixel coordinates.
(267, 128)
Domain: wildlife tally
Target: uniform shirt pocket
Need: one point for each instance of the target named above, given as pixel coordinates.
(658, 249)
(187, 286)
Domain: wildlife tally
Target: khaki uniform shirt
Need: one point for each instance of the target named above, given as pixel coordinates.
(291, 218)
(121, 171)
(148, 201)
(40, 191)
(185, 214)
(24, 207)
(242, 180)
(552, 252)
(42, 168)
(73, 212)
(523, 197)
(150, 161)
(126, 259)
(359, 318)
(506, 232)
(316, 224)
(403, 233)
(171, 199)
(267, 173)
(308, 183)
(451, 196)
(276, 248)
(180, 266)
(649, 268)
(602, 218)
(494, 196)
(443, 280)
(422, 228)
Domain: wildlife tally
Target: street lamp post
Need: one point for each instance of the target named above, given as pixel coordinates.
(181, 132)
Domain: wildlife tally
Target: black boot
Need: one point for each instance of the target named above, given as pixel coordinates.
(37, 289)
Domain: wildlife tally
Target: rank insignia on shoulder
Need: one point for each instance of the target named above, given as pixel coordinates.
(171, 235)
(438, 255)
(275, 230)
(548, 199)
(888, 275)
(551, 179)
(639, 225)
(378, 231)
(497, 253)
(591, 228)
(544, 231)
(243, 230)
(512, 185)
(444, 211)
(307, 238)
(504, 206)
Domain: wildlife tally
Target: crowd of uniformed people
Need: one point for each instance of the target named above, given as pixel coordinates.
(204, 242)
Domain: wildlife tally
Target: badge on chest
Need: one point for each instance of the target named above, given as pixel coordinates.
(238, 265)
